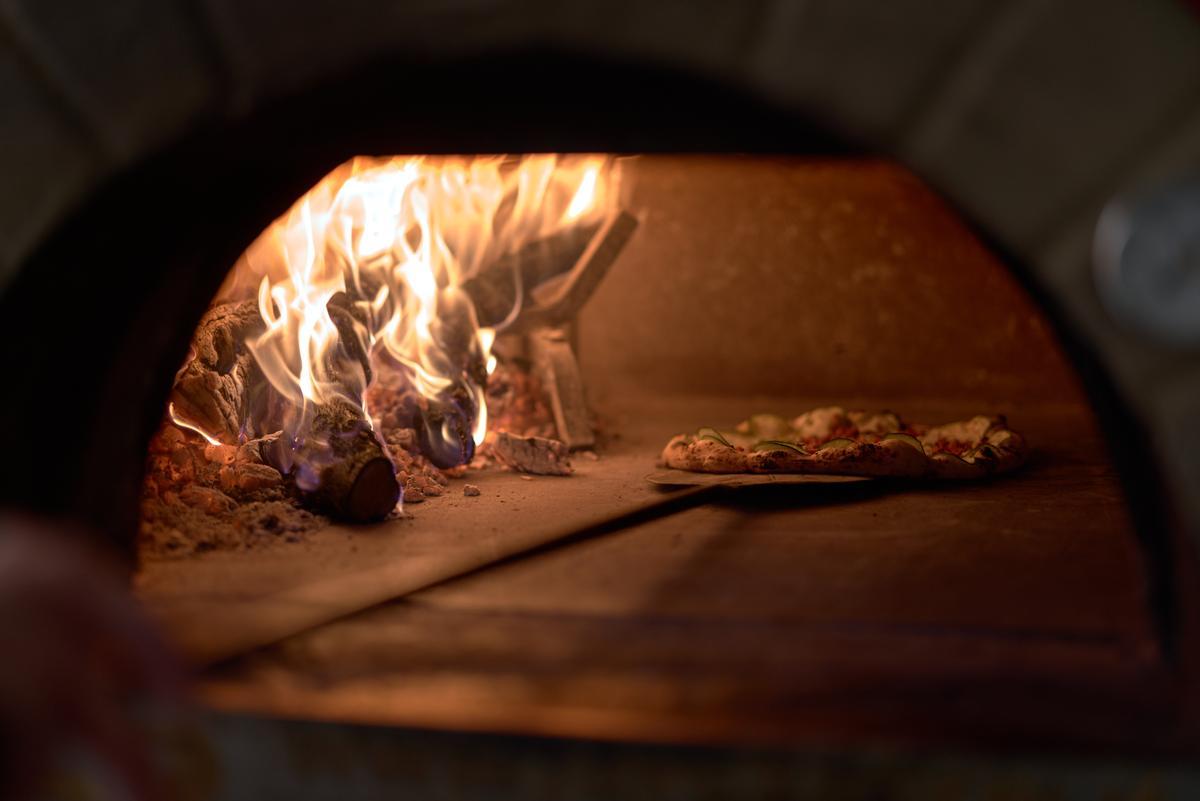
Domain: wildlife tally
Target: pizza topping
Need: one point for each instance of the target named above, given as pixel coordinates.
(986, 451)
(909, 439)
(958, 437)
(951, 446)
(822, 424)
(712, 434)
(766, 427)
(770, 445)
(901, 459)
(837, 443)
(948, 465)
(1001, 437)
(879, 424)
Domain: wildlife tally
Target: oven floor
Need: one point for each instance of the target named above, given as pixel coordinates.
(1007, 612)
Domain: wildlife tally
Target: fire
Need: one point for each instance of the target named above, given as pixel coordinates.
(179, 421)
(388, 244)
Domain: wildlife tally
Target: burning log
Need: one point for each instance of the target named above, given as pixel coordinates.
(444, 428)
(335, 458)
(213, 390)
(357, 481)
(498, 287)
(556, 302)
(440, 429)
(348, 320)
(548, 317)
(222, 392)
(377, 262)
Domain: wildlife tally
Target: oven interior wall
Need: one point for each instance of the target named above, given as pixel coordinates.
(832, 281)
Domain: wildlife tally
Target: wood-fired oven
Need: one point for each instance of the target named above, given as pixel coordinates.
(277, 364)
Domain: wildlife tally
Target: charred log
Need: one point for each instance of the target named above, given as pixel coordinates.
(213, 390)
(445, 429)
(455, 330)
(537, 455)
(356, 480)
(441, 429)
(222, 391)
(351, 325)
(498, 287)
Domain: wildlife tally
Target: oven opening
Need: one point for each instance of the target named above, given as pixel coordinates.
(534, 430)
(600, 399)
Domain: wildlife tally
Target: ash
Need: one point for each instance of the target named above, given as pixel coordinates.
(199, 497)
(517, 403)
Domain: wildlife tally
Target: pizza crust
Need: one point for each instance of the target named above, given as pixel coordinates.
(832, 441)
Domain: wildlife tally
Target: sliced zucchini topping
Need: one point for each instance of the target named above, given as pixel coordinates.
(906, 438)
(778, 445)
(984, 451)
(710, 433)
(837, 443)
(1000, 437)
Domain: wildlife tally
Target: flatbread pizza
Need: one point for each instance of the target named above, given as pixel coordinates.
(834, 441)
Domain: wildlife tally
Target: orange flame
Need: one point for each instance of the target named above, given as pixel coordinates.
(179, 421)
(399, 236)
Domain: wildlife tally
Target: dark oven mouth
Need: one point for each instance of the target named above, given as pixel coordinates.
(752, 268)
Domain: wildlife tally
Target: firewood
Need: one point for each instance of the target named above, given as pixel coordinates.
(221, 389)
(555, 361)
(348, 320)
(357, 481)
(537, 455)
(494, 288)
(443, 428)
(212, 389)
(455, 331)
(556, 302)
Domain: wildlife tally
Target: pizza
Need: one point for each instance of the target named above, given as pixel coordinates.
(834, 441)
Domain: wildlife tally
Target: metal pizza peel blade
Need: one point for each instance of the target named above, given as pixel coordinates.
(670, 477)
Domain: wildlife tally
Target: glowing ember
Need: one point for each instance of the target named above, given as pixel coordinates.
(364, 273)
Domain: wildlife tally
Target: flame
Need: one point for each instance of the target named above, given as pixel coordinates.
(179, 421)
(487, 336)
(393, 240)
(585, 195)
